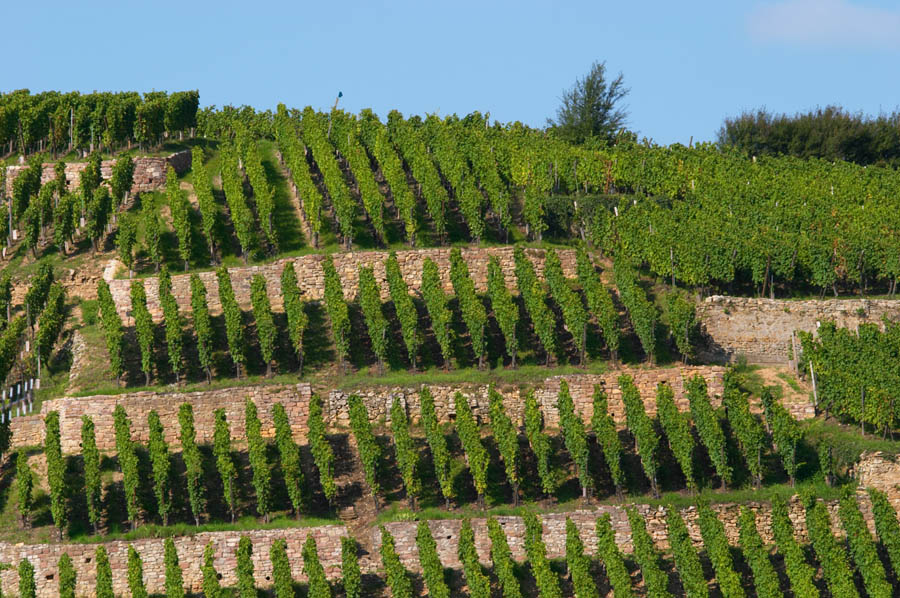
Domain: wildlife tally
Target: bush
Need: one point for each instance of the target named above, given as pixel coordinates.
(432, 569)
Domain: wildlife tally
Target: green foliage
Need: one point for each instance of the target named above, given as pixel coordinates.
(24, 487)
(180, 209)
(407, 457)
(436, 304)
(263, 194)
(641, 311)
(233, 185)
(708, 427)
(641, 426)
(746, 427)
(501, 557)
(64, 221)
(193, 461)
(506, 312)
(655, 579)
(224, 461)
(376, 323)
(687, 562)
(337, 309)
(161, 461)
(534, 297)
(143, 326)
(5, 294)
(294, 155)
(719, 554)
(392, 168)
(478, 583)
(536, 552)
(315, 573)
(829, 552)
(92, 480)
(799, 571)
(682, 323)
(265, 323)
(67, 576)
(209, 211)
(152, 230)
(202, 324)
(27, 587)
(174, 324)
(432, 569)
(540, 442)
(886, 526)
(470, 438)
(122, 178)
(397, 577)
(351, 576)
(246, 585)
(126, 239)
(98, 215)
(473, 312)
(574, 436)
(612, 559)
(507, 438)
(405, 308)
(112, 329)
(604, 428)
(591, 111)
(764, 577)
(259, 462)
(297, 320)
(290, 457)
(786, 433)
(678, 431)
(437, 443)
(128, 463)
(174, 579)
(862, 547)
(10, 345)
(211, 587)
(575, 316)
(56, 471)
(366, 444)
(578, 563)
(136, 574)
(103, 580)
(320, 449)
(234, 320)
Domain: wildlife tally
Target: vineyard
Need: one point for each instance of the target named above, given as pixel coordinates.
(335, 354)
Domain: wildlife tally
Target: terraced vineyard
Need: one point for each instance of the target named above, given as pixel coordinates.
(320, 354)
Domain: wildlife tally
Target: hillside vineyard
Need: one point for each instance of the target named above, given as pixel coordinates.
(330, 354)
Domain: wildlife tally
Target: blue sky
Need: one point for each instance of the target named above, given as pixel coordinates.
(688, 64)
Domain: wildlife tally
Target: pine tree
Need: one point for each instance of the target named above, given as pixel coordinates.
(56, 472)
(202, 325)
(405, 308)
(193, 461)
(246, 585)
(478, 583)
(473, 312)
(112, 329)
(297, 319)
(687, 562)
(506, 312)
(152, 231)
(143, 326)
(678, 432)
(128, 463)
(708, 427)
(436, 304)
(323, 455)
(612, 559)
(234, 320)
(369, 451)
(27, 587)
(351, 577)
(211, 587)
(507, 438)
(501, 557)
(432, 569)
(407, 457)
(574, 437)
(281, 570)
(289, 453)
(337, 309)
(540, 443)
(641, 426)
(395, 572)
(103, 581)
(161, 461)
(24, 487)
(174, 324)
(92, 481)
(125, 241)
(174, 577)
(376, 324)
(136, 574)
(607, 435)
(259, 461)
(315, 573)
(265, 323)
(578, 563)
(470, 437)
(655, 579)
(67, 576)
(437, 444)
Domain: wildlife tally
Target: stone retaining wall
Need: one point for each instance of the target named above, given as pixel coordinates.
(311, 279)
(149, 171)
(760, 329)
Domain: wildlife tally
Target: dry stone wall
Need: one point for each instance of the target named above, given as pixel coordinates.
(149, 171)
(29, 430)
(311, 279)
(760, 329)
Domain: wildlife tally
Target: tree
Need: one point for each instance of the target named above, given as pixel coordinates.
(143, 326)
(578, 564)
(66, 576)
(64, 222)
(437, 444)
(687, 561)
(202, 325)
(128, 463)
(539, 442)
(92, 480)
(641, 426)
(211, 587)
(246, 584)
(678, 432)
(405, 308)
(506, 312)
(607, 435)
(405, 449)
(27, 587)
(436, 304)
(161, 461)
(259, 461)
(366, 444)
(709, 428)
(432, 569)
(507, 438)
(103, 583)
(122, 178)
(234, 320)
(98, 216)
(574, 437)
(321, 450)
(136, 574)
(24, 488)
(193, 461)
(470, 437)
(152, 232)
(56, 472)
(265, 323)
(337, 309)
(473, 312)
(376, 324)
(112, 329)
(297, 319)
(395, 572)
(351, 576)
(478, 583)
(655, 579)
(315, 573)
(501, 557)
(591, 109)
(174, 578)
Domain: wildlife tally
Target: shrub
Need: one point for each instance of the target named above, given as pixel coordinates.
(641, 426)
(56, 472)
(174, 578)
(224, 461)
(337, 309)
(320, 449)
(506, 312)
(174, 324)
(315, 573)
(719, 553)
(470, 438)
(655, 579)
(202, 325)
(103, 583)
(259, 461)
(536, 551)
(746, 428)
(687, 562)
(432, 569)
(290, 458)
(397, 577)
(678, 432)
(143, 326)
(66, 576)
(92, 480)
(437, 443)
(405, 308)
(366, 444)
(507, 438)
(136, 574)
(535, 300)
(128, 463)
(575, 437)
(470, 305)
(27, 587)
(234, 320)
(708, 427)
(501, 557)
(578, 563)
(575, 316)
(798, 570)
(407, 457)
(599, 302)
(436, 304)
(350, 574)
(478, 583)
(862, 547)
(608, 438)
(540, 443)
(764, 577)
(376, 324)
(193, 462)
(211, 587)
(265, 323)
(297, 320)
(162, 467)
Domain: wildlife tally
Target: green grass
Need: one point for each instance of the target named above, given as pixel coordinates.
(847, 444)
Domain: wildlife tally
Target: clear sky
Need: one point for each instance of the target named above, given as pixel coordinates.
(688, 64)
